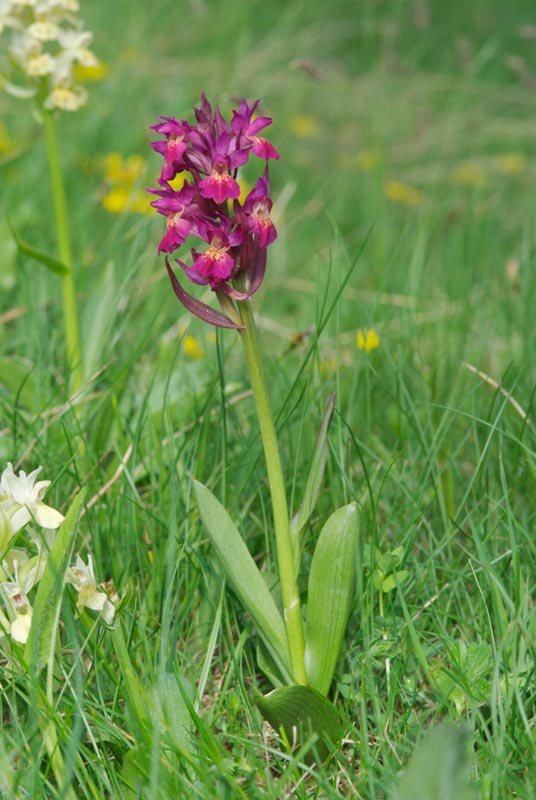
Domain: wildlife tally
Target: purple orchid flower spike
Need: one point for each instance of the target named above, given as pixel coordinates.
(236, 235)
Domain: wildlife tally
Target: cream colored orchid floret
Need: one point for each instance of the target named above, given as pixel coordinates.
(21, 500)
(27, 573)
(43, 39)
(82, 578)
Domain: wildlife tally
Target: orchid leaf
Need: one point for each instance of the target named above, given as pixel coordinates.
(244, 577)
(329, 595)
(196, 307)
(314, 482)
(41, 643)
(53, 264)
(440, 768)
(169, 711)
(300, 712)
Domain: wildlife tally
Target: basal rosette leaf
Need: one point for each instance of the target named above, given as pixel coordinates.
(244, 577)
(329, 595)
(302, 712)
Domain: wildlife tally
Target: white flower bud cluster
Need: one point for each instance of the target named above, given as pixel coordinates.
(41, 41)
(22, 567)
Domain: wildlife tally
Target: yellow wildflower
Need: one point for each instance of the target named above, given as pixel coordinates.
(469, 173)
(116, 200)
(121, 175)
(192, 349)
(402, 193)
(327, 366)
(367, 339)
(119, 169)
(510, 163)
(303, 127)
(367, 160)
(91, 72)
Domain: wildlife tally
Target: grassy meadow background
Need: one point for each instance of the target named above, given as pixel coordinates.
(405, 204)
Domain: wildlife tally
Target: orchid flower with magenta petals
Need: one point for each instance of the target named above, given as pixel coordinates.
(208, 208)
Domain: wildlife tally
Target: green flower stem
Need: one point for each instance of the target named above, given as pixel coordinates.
(285, 559)
(68, 292)
(134, 689)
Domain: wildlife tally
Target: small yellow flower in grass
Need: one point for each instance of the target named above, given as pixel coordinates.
(122, 198)
(92, 72)
(82, 577)
(192, 348)
(327, 366)
(367, 160)
(121, 174)
(469, 173)
(115, 201)
(121, 169)
(402, 193)
(367, 340)
(510, 163)
(303, 127)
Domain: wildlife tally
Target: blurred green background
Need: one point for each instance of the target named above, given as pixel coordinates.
(406, 184)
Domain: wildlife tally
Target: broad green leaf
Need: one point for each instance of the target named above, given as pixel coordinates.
(301, 712)
(314, 481)
(52, 263)
(329, 595)
(169, 711)
(439, 768)
(135, 772)
(244, 576)
(466, 683)
(393, 580)
(46, 611)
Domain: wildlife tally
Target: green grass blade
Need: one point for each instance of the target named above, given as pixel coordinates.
(329, 594)
(314, 481)
(244, 576)
(41, 642)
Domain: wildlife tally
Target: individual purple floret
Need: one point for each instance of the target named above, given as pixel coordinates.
(207, 207)
(245, 128)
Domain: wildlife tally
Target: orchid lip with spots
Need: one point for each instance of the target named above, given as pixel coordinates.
(207, 206)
